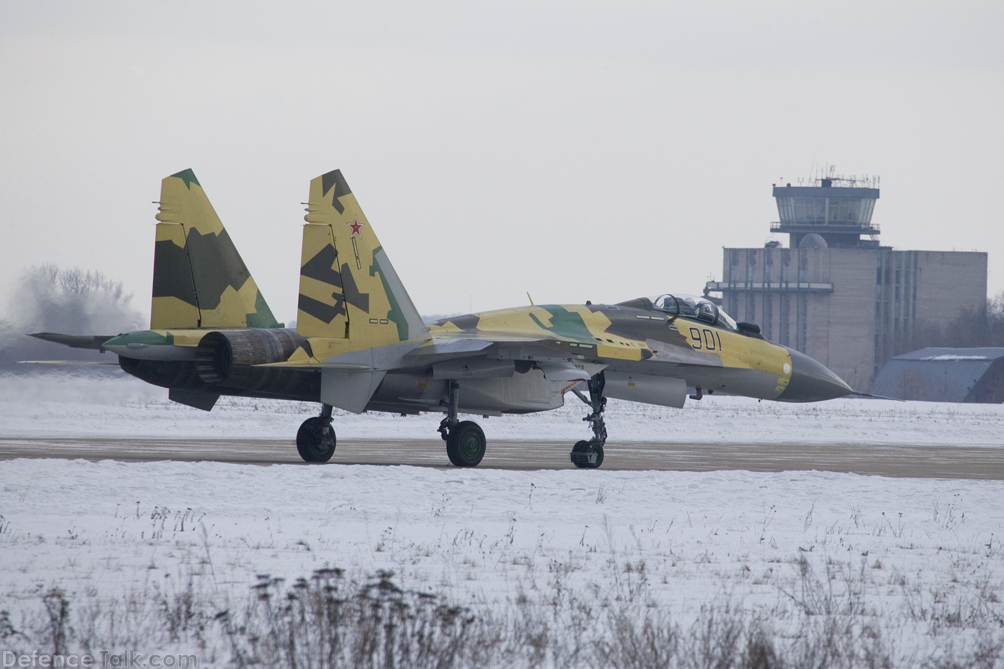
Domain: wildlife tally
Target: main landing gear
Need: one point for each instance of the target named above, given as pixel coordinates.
(315, 440)
(465, 440)
(589, 454)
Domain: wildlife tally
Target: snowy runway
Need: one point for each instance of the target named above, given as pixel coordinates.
(911, 460)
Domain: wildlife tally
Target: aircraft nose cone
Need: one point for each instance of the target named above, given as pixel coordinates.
(811, 381)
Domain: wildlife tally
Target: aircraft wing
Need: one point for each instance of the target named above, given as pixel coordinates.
(93, 342)
(73, 341)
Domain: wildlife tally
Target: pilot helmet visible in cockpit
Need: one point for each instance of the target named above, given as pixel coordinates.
(706, 311)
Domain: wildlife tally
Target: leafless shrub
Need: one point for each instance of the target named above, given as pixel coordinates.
(58, 608)
(329, 621)
(332, 620)
(651, 641)
(841, 592)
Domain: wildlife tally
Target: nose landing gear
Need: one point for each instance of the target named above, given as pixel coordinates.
(315, 440)
(589, 454)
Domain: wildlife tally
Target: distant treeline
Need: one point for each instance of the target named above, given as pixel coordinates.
(972, 328)
(70, 301)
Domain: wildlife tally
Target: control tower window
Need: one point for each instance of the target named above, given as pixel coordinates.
(786, 209)
(845, 211)
(867, 205)
(802, 209)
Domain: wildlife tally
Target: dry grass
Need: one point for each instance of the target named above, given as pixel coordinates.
(332, 620)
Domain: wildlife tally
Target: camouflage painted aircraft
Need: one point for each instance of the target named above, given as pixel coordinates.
(360, 344)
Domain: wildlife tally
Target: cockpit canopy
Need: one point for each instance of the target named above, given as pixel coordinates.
(693, 307)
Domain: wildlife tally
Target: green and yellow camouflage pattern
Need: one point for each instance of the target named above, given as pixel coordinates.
(199, 278)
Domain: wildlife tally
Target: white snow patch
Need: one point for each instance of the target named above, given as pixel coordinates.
(489, 537)
(941, 358)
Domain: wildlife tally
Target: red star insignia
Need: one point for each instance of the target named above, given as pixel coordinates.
(355, 226)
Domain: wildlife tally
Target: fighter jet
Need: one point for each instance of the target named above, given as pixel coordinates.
(361, 345)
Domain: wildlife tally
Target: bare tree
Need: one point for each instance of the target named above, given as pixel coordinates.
(72, 301)
(972, 328)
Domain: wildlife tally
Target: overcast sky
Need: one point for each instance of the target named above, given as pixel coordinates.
(575, 150)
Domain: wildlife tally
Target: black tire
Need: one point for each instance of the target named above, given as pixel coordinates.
(580, 452)
(315, 440)
(466, 444)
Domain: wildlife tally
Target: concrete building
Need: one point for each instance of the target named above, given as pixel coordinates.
(846, 301)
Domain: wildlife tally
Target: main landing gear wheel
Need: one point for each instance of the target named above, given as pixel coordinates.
(466, 444)
(589, 454)
(315, 440)
(465, 441)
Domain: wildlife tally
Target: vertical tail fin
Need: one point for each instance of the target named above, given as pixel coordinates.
(199, 279)
(348, 287)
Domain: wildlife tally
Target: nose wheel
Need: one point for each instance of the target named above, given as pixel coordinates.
(589, 454)
(465, 440)
(315, 440)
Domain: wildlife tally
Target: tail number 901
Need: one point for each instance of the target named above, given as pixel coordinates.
(705, 340)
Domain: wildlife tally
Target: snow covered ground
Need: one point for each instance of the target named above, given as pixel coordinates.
(917, 562)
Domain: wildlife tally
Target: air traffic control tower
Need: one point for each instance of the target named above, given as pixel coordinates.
(839, 215)
(835, 293)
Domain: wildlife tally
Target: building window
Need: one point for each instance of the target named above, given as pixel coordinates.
(810, 210)
(867, 205)
(844, 211)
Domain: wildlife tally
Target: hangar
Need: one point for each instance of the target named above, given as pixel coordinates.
(944, 375)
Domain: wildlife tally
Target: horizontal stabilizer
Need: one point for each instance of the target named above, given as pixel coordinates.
(73, 341)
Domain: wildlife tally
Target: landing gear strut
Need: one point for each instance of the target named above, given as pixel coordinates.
(465, 441)
(315, 440)
(589, 454)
